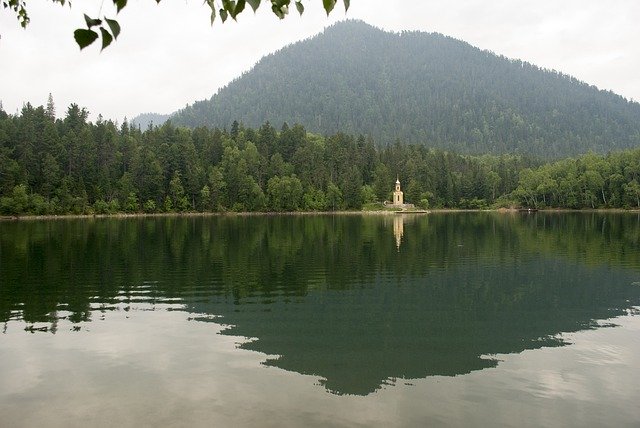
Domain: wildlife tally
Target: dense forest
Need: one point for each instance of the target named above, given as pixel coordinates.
(420, 88)
(71, 165)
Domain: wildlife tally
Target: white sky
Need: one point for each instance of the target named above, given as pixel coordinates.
(168, 55)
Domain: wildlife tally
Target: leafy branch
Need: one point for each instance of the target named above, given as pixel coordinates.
(108, 29)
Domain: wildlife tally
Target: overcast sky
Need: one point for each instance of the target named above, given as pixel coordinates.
(168, 55)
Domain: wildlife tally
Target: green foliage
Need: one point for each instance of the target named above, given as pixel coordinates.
(131, 204)
(381, 179)
(352, 188)
(473, 204)
(314, 200)
(285, 193)
(167, 205)
(149, 206)
(100, 207)
(423, 202)
(367, 194)
(176, 193)
(216, 188)
(589, 181)
(205, 197)
(16, 203)
(334, 197)
(114, 206)
(414, 192)
(19, 7)
(110, 28)
(373, 206)
(632, 191)
(84, 37)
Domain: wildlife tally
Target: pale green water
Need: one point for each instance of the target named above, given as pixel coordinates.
(444, 319)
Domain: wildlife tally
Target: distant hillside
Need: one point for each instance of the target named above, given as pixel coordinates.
(145, 119)
(422, 88)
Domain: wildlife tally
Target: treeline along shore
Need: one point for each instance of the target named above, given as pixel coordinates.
(52, 166)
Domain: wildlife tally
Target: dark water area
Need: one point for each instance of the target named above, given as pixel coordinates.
(441, 319)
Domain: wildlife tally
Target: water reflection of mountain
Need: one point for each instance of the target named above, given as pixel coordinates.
(333, 296)
(439, 324)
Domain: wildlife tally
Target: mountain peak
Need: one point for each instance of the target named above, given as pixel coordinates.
(422, 88)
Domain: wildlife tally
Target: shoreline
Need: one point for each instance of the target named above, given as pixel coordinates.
(309, 213)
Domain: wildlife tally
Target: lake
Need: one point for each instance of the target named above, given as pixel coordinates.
(445, 319)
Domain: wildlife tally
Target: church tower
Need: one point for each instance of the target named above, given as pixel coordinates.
(398, 196)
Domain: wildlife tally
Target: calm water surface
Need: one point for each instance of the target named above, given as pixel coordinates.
(477, 319)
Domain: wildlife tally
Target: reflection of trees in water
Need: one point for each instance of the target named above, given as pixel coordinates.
(333, 295)
(104, 250)
(45, 264)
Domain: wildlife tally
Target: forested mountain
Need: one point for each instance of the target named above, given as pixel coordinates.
(421, 88)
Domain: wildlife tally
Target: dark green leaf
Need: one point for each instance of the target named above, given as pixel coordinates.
(223, 14)
(91, 22)
(114, 26)
(120, 4)
(212, 5)
(106, 38)
(239, 8)
(84, 37)
(300, 7)
(328, 5)
(347, 3)
(254, 4)
(230, 7)
(278, 11)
